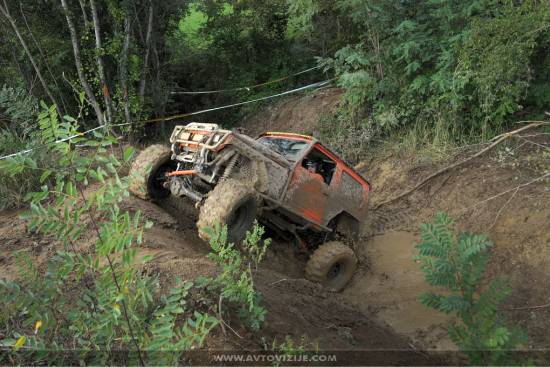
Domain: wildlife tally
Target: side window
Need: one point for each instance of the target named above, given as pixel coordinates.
(319, 163)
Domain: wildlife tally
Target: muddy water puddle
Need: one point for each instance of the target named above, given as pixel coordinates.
(388, 284)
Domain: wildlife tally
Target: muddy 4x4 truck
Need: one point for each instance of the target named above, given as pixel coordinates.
(290, 183)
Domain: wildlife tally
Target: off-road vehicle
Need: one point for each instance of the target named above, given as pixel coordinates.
(290, 183)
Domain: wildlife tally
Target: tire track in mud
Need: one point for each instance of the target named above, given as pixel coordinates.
(385, 219)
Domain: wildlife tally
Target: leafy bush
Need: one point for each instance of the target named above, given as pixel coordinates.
(33, 168)
(457, 263)
(461, 69)
(96, 300)
(18, 111)
(235, 283)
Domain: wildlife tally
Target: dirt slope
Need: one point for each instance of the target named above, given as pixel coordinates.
(298, 114)
(481, 196)
(295, 307)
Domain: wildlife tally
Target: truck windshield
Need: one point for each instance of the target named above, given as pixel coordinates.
(290, 148)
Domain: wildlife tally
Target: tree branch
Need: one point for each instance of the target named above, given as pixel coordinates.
(100, 64)
(42, 54)
(147, 53)
(494, 142)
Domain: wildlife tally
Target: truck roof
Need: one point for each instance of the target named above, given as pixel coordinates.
(314, 140)
(288, 135)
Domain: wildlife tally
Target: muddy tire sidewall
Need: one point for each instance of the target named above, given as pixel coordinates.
(332, 265)
(142, 183)
(230, 203)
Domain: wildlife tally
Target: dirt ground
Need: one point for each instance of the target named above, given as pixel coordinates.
(379, 309)
(482, 197)
(295, 306)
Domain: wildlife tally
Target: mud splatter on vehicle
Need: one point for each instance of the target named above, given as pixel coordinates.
(289, 182)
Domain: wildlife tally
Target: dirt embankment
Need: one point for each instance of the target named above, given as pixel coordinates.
(483, 196)
(379, 309)
(299, 114)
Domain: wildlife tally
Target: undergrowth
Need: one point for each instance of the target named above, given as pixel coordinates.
(235, 282)
(91, 303)
(456, 263)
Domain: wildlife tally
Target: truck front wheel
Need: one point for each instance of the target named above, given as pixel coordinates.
(148, 172)
(332, 265)
(232, 204)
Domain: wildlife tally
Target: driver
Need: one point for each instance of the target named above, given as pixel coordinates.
(314, 168)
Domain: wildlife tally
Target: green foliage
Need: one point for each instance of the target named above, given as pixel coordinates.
(190, 27)
(235, 282)
(290, 346)
(29, 171)
(461, 69)
(18, 111)
(94, 299)
(457, 263)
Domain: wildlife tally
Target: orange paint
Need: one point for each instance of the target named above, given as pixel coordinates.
(105, 91)
(181, 173)
(290, 136)
(312, 215)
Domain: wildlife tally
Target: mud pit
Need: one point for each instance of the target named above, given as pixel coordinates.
(295, 306)
(387, 286)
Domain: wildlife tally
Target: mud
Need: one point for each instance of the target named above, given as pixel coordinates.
(518, 222)
(379, 309)
(388, 287)
(295, 306)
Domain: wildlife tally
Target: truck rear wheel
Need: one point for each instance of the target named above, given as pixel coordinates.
(230, 203)
(332, 265)
(148, 171)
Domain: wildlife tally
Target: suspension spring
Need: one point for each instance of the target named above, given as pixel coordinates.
(230, 166)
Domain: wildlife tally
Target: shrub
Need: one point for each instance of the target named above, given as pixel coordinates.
(18, 111)
(29, 171)
(457, 263)
(461, 69)
(94, 301)
(235, 282)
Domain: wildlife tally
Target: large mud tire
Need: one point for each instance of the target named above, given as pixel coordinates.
(145, 183)
(332, 265)
(230, 203)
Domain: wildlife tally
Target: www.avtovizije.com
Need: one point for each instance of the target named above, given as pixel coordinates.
(274, 358)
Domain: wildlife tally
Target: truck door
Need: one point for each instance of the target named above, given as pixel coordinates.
(309, 190)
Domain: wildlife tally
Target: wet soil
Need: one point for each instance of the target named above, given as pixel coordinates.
(388, 287)
(481, 196)
(378, 310)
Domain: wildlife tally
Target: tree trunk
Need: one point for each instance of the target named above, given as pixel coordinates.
(100, 64)
(5, 11)
(84, 14)
(147, 53)
(124, 66)
(79, 68)
(43, 57)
